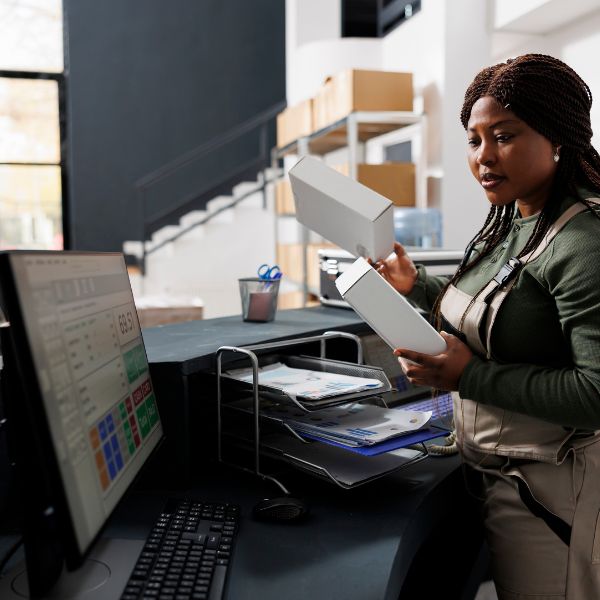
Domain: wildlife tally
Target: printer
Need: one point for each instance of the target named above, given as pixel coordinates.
(333, 262)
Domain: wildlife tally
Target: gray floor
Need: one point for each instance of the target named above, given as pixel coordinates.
(486, 591)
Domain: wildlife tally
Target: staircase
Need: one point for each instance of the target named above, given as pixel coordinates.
(206, 233)
(201, 258)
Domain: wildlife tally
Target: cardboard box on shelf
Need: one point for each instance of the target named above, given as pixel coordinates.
(395, 181)
(295, 300)
(289, 259)
(284, 199)
(360, 90)
(153, 316)
(295, 122)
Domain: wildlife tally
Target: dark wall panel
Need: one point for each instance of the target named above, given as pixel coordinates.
(150, 80)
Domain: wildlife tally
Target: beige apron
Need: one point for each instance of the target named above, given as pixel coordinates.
(540, 482)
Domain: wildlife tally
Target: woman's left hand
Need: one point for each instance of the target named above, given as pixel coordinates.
(441, 371)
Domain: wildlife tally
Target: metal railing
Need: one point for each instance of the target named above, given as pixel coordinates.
(150, 222)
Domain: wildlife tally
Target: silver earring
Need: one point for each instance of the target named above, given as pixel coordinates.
(556, 156)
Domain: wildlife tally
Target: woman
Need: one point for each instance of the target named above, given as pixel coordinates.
(521, 318)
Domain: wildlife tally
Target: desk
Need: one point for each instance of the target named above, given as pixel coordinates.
(383, 540)
(357, 545)
(391, 539)
(190, 347)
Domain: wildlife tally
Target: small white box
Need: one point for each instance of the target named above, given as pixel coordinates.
(342, 210)
(390, 315)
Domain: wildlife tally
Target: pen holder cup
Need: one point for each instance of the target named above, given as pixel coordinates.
(259, 298)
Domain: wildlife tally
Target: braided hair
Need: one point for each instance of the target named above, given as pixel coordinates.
(551, 98)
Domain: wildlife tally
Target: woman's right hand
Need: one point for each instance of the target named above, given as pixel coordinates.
(398, 270)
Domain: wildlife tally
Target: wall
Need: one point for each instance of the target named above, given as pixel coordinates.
(444, 51)
(578, 44)
(150, 80)
(467, 51)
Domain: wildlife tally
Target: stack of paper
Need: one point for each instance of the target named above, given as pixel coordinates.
(351, 424)
(304, 383)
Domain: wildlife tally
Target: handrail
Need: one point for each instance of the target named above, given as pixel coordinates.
(261, 161)
(210, 145)
(211, 186)
(209, 216)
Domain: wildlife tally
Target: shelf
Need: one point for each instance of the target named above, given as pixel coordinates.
(335, 136)
(336, 465)
(355, 128)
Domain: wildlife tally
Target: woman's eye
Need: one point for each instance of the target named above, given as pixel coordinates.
(503, 138)
(473, 142)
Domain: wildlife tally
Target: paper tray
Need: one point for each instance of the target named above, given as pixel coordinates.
(317, 364)
(337, 465)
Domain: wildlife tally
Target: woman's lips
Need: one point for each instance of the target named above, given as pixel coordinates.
(491, 182)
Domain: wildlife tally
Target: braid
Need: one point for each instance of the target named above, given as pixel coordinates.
(551, 98)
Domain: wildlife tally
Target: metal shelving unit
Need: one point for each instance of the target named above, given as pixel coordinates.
(350, 132)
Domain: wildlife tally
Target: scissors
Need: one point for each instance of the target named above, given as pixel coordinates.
(266, 272)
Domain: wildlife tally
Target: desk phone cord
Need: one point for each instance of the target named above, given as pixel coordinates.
(447, 449)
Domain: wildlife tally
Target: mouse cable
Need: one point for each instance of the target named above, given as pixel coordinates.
(9, 554)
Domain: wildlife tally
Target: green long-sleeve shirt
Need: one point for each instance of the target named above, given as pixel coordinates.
(546, 340)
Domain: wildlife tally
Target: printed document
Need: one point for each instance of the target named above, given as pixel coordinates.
(305, 383)
(352, 424)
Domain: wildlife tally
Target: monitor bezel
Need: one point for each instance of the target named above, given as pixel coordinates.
(32, 412)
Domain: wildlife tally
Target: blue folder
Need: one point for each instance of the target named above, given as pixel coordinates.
(421, 435)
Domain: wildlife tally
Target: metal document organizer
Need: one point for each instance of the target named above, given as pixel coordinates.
(313, 457)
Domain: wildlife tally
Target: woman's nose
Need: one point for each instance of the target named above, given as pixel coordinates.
(486, 155)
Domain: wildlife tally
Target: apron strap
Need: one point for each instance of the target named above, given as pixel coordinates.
(556, 524)
(498, 288)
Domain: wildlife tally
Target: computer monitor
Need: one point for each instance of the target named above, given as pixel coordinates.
(83, 417)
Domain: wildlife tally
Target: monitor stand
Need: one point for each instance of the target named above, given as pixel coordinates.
(102, 576)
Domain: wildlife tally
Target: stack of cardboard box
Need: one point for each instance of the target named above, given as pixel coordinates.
(358, 90)
(346, 92)
(284, 198)
(394, 180)
(289, 259)
(349, 91)
(295, 122)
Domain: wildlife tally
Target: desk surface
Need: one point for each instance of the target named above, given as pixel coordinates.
(192, 345)
(356, 545)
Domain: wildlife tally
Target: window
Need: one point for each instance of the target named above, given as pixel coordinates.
(32, 117)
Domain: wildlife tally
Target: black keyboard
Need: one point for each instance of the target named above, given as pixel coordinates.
(187, 553)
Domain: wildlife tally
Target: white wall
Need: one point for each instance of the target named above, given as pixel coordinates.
(444, 50)
(578, 44)
(307, 21)
(418, 46)
(467, 51)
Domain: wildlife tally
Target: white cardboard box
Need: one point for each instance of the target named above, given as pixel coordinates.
(342, 210)
(390, 315)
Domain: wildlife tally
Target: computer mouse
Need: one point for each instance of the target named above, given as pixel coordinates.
(280, 510)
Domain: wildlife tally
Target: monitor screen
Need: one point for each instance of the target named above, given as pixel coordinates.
(83, 336)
